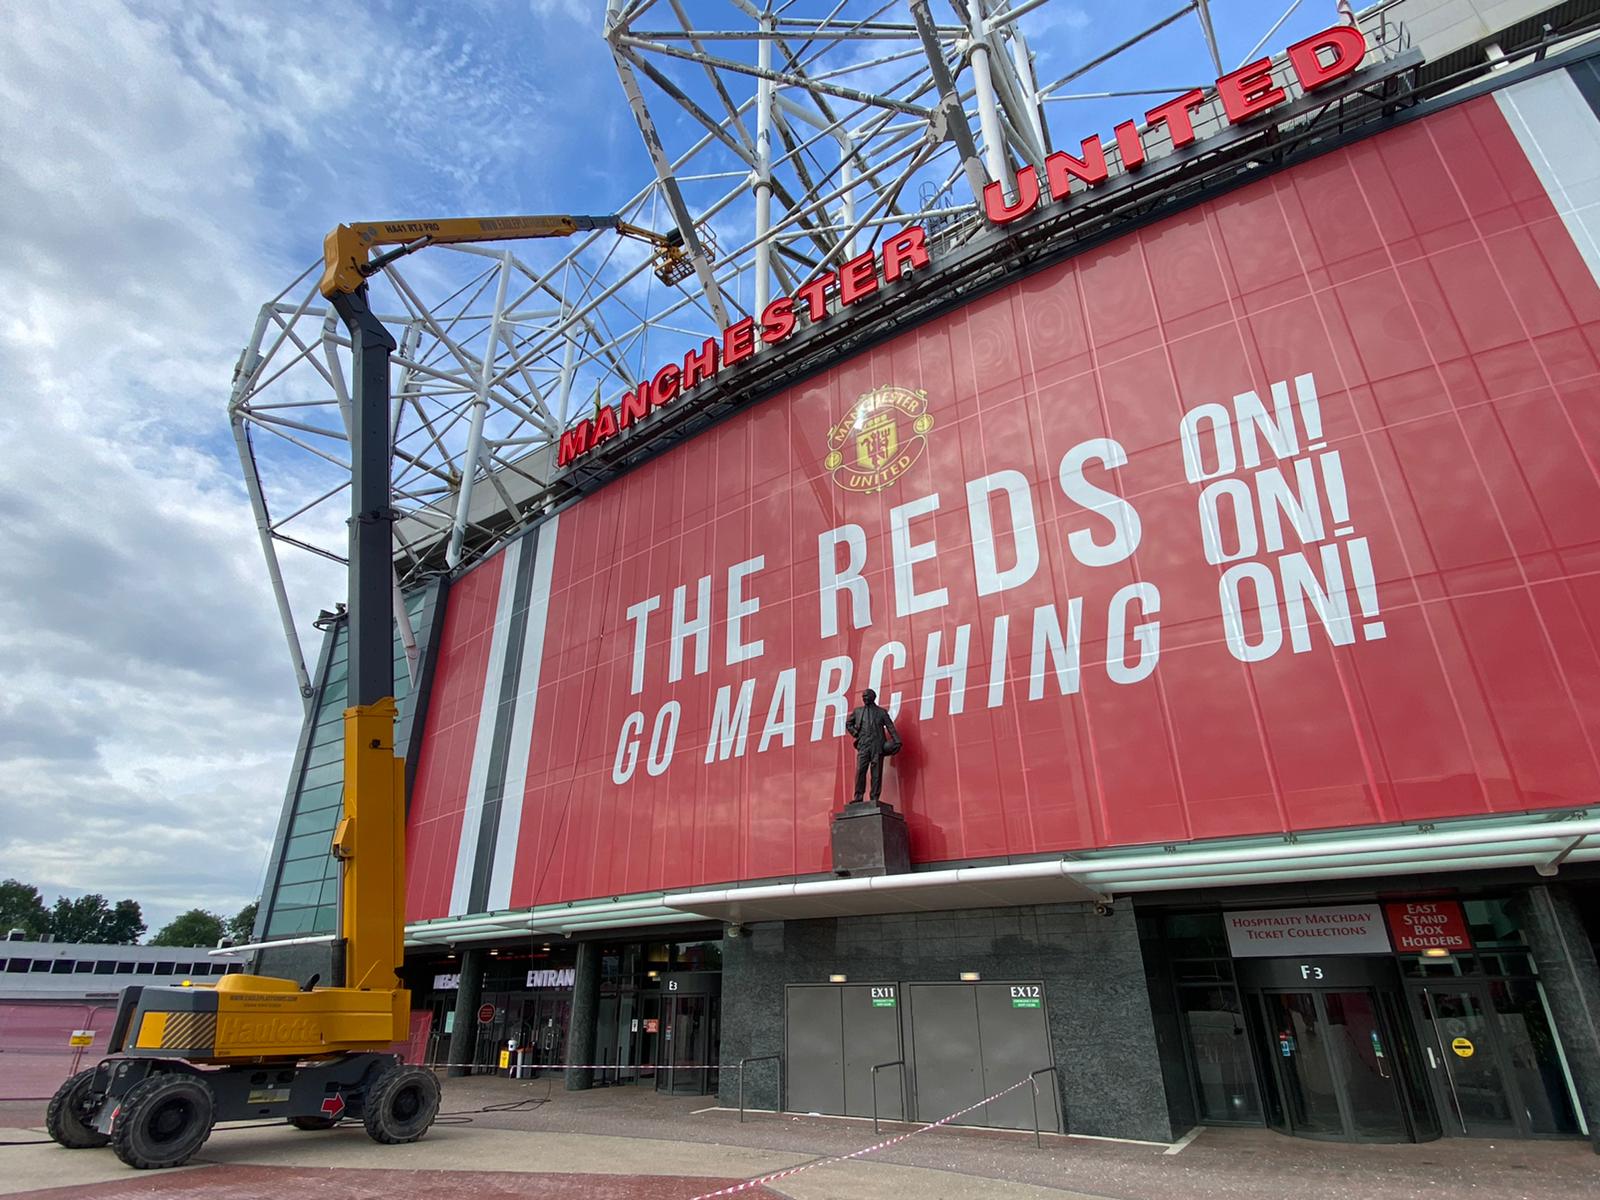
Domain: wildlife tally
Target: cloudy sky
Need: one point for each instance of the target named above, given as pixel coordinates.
(165, 169)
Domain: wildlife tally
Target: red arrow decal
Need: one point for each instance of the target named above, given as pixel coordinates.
(333, 1106)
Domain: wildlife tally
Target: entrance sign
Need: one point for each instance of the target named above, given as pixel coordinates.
(486, 1014)
(1269, 932)
(1419, 925)
(547, 978)
(1463, 1047)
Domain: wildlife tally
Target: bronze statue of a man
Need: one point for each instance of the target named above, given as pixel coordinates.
(874, 735)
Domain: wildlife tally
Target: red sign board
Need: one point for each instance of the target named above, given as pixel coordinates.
(1179, 538)
(486, 1014)
(1419, 925)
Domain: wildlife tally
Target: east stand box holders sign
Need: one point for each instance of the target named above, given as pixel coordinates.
(1247, 93)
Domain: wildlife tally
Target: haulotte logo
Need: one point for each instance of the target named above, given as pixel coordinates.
(879, 439)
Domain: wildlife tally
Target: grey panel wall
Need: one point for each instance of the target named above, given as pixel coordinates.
(946, 1054)
(813, 1049)
(1091, 968)
(834, 1034)
(872, 1036)
(972, 1041)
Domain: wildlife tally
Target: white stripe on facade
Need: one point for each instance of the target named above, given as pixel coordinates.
(478, 780)
(1561, 136)
(505, 848)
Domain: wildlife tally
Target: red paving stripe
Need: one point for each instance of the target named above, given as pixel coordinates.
(342, 1183)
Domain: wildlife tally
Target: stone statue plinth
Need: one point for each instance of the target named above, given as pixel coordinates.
(870, 839)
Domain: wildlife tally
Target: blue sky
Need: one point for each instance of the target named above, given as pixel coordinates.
(167, 168)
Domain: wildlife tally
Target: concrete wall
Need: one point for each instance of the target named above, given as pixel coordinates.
(1440, 26)
(1099, 1008)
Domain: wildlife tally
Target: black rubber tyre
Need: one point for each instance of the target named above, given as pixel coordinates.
(163, 1121)
(401, 1105)
(311, 1123)
(67, 1118)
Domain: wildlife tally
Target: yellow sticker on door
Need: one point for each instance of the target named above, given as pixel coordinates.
(1462, 1047)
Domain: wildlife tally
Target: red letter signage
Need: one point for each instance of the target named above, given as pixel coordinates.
(1346, 45)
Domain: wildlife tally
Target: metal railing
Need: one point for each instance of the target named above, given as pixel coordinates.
(901, 1063)
(1033, 1076)
(743, 1062)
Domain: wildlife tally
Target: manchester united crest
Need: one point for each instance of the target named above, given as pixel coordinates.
(880, 438)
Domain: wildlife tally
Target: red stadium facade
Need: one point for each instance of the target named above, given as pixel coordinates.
(1271, 517)
(1236, 578)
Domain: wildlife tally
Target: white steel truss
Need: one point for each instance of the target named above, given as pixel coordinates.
(780, 139)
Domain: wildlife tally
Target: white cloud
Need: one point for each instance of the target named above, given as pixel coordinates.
(161, 166)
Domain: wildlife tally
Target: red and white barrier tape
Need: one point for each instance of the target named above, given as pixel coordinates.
(862, 1153)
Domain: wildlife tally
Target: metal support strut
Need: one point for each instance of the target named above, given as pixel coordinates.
(369, 948)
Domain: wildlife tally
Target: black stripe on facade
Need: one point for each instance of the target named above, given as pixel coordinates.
(1586, 75)
(504, 717)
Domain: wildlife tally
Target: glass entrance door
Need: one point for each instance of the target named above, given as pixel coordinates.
(1491, 1059)
(689, 1042)
(545, 1016)
(1334, 1063)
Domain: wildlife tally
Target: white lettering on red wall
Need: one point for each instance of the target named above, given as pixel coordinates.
(1270, 516)
(1419, 925)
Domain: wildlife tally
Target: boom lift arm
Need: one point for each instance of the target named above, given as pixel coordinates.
(346, 266)
(181, 1058)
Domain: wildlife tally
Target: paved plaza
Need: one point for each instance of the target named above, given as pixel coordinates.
(631, 1144)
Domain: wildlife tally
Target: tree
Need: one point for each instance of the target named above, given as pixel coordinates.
(242, 928)
(21, 907)
(197, 927)
(126, 925)
(90, 919)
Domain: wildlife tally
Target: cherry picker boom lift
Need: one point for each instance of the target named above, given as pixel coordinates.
(251, 1046)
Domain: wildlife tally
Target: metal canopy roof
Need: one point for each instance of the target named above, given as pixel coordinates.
(1541, 844)
(919, 891)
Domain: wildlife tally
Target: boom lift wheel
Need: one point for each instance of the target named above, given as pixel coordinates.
(67, 1119)
(401, 1105)
(164, 1121)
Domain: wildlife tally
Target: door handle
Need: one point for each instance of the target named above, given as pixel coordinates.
(1432, 1062)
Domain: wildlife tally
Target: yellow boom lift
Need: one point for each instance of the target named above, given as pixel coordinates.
(252, 1046)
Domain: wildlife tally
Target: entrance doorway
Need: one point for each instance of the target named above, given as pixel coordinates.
(1342, 1065)
(689, 1040)
(667, 1038)
(542, 1036)
(1483, 1040)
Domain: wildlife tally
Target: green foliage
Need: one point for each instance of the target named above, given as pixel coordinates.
(21, 907)
(197, 927)
(90, 919)
(242, 926)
